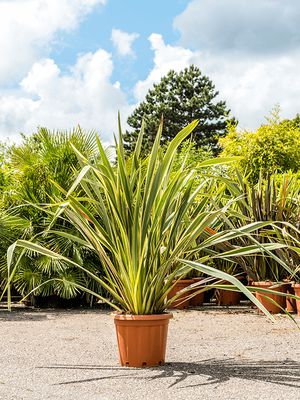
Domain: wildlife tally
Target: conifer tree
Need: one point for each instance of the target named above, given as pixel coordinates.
(180, 98)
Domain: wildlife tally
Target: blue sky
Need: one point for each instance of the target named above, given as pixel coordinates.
(144, 17)
(129, 16)
(64, 62)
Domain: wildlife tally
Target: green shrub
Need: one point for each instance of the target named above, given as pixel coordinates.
(274, 146)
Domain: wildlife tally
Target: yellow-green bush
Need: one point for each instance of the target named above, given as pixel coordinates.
(274, 146)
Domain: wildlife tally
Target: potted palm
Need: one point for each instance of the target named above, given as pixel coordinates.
(142, 224)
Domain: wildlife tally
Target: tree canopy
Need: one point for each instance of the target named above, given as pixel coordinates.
(180, 98)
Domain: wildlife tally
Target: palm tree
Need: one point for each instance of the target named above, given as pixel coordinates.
(44, 158)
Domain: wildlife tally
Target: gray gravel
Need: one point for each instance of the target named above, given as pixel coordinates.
(212, 354)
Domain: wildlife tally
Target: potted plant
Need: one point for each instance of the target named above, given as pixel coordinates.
(291, 305)
(272, 198)
(269, 283)
(293, 286)
(142, 224)
(199, 288)
(227, 296)
(296, 287)
(181, 298)
(183, 292)
(291, 236)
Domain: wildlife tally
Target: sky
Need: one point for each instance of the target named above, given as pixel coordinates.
(69, 62)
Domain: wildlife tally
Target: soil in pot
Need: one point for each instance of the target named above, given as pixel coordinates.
(142, 339)
(198, 299)
(182, 301)
(263, 297)
(296, 287)
(227, 297)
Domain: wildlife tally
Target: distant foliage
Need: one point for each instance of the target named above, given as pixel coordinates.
(190, 155)
(274, 146)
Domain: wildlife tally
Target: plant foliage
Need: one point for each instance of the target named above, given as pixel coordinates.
(144, 225)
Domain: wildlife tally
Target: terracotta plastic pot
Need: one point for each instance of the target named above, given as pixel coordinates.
(180, 303)
(228, 297)
(142, 339)
(296, 287)
(280, 300)
(290, 303)
(198, 299)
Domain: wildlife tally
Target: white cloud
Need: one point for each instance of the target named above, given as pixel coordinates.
(166, 57)
(49, 98)
(251, 51)
(123, 41)
(251, 54)
(250, 85)
(248, 27)
(27, 28)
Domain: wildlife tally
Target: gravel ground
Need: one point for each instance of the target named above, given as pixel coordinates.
(212, 354)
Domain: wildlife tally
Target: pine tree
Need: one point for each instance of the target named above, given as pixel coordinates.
(180, 98)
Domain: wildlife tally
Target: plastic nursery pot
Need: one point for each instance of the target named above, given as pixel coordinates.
(181, 302)
(228, 297)
(291, 306)
(263, 297)
(296, 287)
(142, 339)
(198, 299)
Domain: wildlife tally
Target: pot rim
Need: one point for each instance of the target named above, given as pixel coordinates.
(145, 317)
(198, 278)
(269, 283)
(296, 285)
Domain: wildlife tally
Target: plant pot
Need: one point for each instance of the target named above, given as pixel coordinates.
(296, 287)
(142, 339)
(280, 300)
(180, 303)
(291, 306)
(198, 299)
(228, 297)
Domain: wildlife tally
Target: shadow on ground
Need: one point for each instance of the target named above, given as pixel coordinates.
(40, 314)
(286, 373)
(21, 315)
